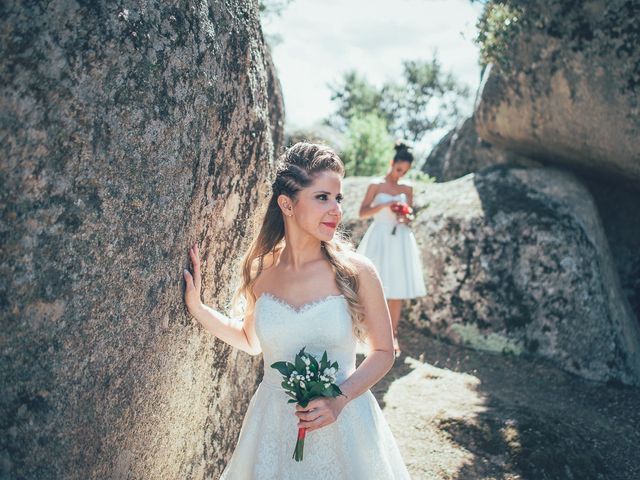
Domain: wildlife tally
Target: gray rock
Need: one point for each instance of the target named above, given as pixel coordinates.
(516, 260)
(462, 151)
(618, 209)
(566, 89)
(128, 133)
(276, 104)
(434, 164)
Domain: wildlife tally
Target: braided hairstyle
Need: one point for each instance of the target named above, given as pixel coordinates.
(296, 169)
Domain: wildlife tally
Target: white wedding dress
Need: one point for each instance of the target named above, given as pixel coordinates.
(358, 446)
(396, 256)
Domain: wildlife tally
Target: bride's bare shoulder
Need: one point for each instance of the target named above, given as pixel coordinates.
(370, 289)
(377, 182)
(363, 264)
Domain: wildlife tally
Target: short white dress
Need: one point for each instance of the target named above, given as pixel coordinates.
(396, 257)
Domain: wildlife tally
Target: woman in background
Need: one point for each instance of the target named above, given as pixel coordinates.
(389, 242)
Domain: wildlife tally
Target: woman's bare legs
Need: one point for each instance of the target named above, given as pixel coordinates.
(395, 308)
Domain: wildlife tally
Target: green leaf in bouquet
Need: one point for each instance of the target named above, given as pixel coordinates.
(282, 367)
(335, 365)
(335, 389)
(316, 389)
(314, 365)
(292, 401)
(299, 393)
(288, 388)
(300, 365)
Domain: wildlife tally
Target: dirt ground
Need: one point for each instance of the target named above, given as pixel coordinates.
(462, 414)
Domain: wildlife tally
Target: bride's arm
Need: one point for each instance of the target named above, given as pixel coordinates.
(237, 334)
(366, 210)
(321, 412)
(377, 322)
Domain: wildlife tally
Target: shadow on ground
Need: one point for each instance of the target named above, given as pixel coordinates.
(463, 414)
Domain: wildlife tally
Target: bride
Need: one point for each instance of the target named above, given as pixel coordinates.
(303, 286)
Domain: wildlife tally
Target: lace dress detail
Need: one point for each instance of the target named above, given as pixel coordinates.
(359, 445)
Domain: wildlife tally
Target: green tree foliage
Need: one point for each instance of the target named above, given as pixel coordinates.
(368, 145)
(499, 23)
(354, 96)
(427, 98)
(269, 8)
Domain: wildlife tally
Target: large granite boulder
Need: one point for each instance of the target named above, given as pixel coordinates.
(434, 164)
(129, 131)
(516, 260)
(462, 151)
(565, 88)
(618, 209)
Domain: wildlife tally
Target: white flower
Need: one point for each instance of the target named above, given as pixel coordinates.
(301, 384)
(327, 385)
(306, 361)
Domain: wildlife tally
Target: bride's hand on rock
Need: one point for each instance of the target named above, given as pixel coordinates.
(320, 412)
(193, 282)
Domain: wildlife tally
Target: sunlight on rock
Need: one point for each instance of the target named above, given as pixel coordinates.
(471, 335)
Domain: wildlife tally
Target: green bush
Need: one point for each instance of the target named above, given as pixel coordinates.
(498, 25)
(368, 148)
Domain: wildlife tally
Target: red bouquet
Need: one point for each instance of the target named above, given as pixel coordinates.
(401, 209)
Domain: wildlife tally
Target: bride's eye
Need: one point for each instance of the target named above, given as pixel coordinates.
(322, 196)
(339, 198)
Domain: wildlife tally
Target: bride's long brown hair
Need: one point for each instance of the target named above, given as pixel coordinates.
(295, 170)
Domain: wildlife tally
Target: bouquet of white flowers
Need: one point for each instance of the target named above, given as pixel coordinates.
(304, 380)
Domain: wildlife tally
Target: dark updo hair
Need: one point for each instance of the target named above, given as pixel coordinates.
(402, 152)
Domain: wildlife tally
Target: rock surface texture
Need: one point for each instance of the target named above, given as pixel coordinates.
(129, 131)
(563, 90)
(462, 151)
(566, 88)
(516, 260)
